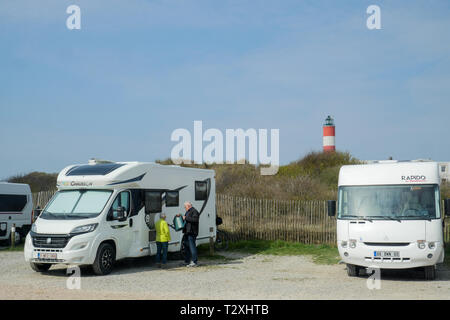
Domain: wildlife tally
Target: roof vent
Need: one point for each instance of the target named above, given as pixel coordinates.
(95, 161)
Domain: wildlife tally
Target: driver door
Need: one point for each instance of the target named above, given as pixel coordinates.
(121, 229)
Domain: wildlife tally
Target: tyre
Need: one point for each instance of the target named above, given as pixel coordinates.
(430, 272)
(352, 270)
(105, 259)
(40, 267)
(221, 243)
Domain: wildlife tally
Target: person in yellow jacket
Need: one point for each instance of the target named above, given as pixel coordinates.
(162, 240)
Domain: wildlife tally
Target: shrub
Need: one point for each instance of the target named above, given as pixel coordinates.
(38, 181)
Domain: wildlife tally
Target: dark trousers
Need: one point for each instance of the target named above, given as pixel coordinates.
(161, 249)
(190, 248)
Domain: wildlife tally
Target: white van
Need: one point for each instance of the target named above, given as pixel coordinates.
(104, 212)
(16, 207)
(389, 216)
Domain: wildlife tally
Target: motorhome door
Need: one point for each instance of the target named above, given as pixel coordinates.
(121, 229)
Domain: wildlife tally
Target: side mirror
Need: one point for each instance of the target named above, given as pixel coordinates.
(447, 207)
(119, 214)
(37, 212)
(331, 208)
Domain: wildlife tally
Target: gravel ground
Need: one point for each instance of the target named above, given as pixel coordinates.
(238, 277)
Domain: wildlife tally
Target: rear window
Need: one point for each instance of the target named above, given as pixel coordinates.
(12, 202)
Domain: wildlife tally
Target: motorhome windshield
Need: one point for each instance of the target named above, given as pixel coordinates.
(76, 204)
(389, 202)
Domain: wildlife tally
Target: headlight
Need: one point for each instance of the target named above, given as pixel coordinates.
(344, 244)
(421, 244)
(432, 245)
(85, 228)
(352, 243)
(2, 226)
(33, 228)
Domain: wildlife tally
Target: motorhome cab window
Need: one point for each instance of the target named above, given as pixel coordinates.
(12, 202)
(76, 204)
(122, 200)
(389, 202)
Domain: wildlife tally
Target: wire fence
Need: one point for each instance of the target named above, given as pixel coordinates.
(264, 219)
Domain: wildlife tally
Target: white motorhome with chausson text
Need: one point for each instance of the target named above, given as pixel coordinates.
(103, 212)
(16, 209)
(389, 216)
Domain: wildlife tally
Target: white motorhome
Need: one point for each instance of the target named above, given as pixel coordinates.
(389, 216)
(104, 212)
(16, 207)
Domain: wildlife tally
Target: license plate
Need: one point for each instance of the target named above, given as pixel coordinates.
(46, 255)
(386, 254)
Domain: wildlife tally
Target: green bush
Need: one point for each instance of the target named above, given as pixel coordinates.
(38, 181)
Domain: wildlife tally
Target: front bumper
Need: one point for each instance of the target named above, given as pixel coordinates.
(410, 256)
(77, 251)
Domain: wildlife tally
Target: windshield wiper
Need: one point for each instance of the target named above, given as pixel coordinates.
(418, 217)
(387, 217)
(358, 217)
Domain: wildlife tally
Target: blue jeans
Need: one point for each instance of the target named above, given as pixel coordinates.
(190, 248)
(161, 246)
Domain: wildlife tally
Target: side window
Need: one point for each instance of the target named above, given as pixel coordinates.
(172, 198)
(12, 202)
(122, 200)
(201, 192)
(153, 201)
(125, 201)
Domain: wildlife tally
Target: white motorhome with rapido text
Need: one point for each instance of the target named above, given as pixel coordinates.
(104, 212)
(16, 208)
(389, 216)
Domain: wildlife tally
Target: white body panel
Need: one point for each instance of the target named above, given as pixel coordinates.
(383, 235)
(131, 237)
(22, 218)
(329, 141)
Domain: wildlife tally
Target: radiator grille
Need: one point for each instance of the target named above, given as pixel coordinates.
(387, 244)
(50, 241)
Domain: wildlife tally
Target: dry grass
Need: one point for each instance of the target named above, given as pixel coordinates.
(314, 177)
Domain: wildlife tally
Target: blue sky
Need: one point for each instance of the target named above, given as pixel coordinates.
(138, 69)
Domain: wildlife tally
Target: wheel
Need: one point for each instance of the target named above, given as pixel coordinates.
(430, 272)
(221, 243)
(352, 270)
(104, 261)
(40, 267)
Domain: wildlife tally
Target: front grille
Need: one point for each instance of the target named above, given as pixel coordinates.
(387, 244)
(379, 259)
(50, 241)
(48, 260)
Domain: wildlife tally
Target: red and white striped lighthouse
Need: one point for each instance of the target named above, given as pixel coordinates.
(329, 141)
